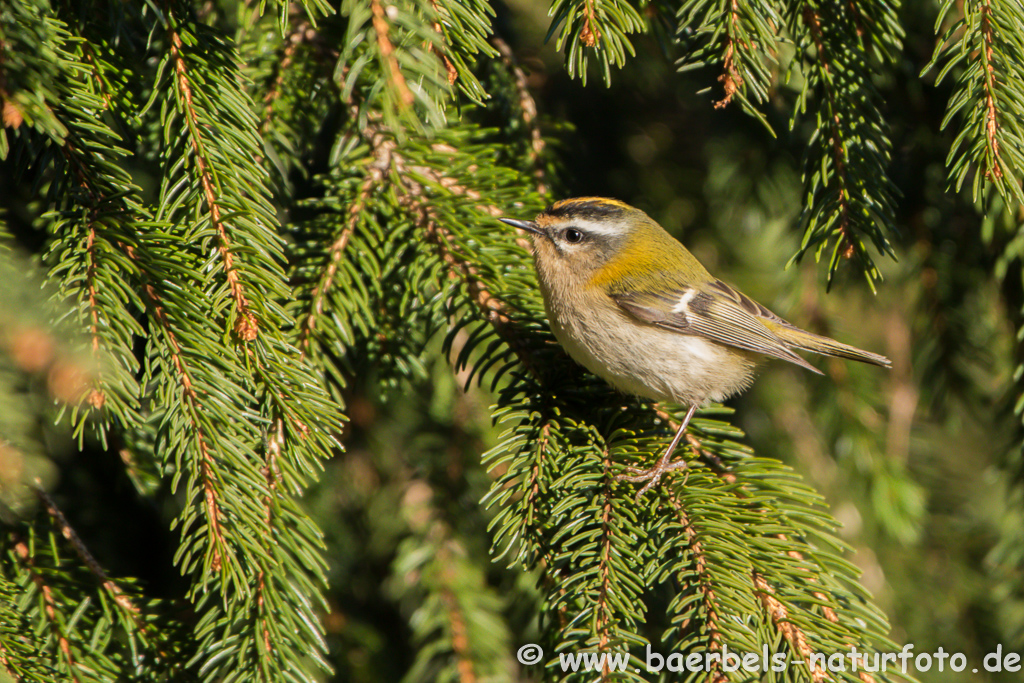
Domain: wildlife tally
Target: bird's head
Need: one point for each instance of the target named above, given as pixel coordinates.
(597, 241)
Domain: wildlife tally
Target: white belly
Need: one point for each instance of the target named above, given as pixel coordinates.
(650, 361)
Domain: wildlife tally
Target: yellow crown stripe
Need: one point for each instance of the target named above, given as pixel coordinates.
(594, 201)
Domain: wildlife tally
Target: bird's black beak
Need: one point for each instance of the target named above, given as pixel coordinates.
(529, 226)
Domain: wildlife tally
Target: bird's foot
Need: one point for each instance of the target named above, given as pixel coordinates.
(652, 475)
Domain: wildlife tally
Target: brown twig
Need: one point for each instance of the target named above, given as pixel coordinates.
(191, 398)
(776, 610)
(90, 57)
(780, 617)
(529, 108)
(706, 589)
(826, 610)
(589, 33)
(731, 79)
(839, 151)
(295, 38)
(453, 73)
(456, 621)
(551, 575)
(443, 240)
(246, 325)
(603, 612)
(387, 50)
(533, 487)
(994, 169)
(382, 147)
(21, 550)
(108, 584)
(271, 475)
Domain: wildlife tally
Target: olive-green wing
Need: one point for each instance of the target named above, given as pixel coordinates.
(714, 311)
(794, 337)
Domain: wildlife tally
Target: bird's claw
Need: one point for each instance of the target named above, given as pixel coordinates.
(651, 475)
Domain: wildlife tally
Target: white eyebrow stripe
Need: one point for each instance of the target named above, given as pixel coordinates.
(596, 228)
(684, 302)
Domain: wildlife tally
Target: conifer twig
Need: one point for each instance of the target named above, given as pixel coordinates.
(299, 34)
(731, 78)
(381, 147)
(191, 399)
(701, 569)
(456, 620)
(604, 612)
(246, 325)
(793, 635)
(450, 70)
(387, 50)
(69, 534)
(529, 108)
(839, 151)
(21, 550)
(826, 609)
(993, 169)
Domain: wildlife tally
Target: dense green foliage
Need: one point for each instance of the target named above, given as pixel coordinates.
(279, 401)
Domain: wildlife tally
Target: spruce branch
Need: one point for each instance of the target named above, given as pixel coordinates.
(300, 33)
(87, 627)
(22, 650)
(983, 50)
(29, 40)
(849, 196)
(246, 323)
(242, 520)
(194, 410)
(417, 185)
(456, 616)
(397, 46)
(741, 39)
(394, 72)
(136, 623)
(731, 78)
(272, 475)
(594, 28)
(464, 27)
(490, 307)
(290, 78)
(794, 636)
(381, 149)
(49, 608)
(92, 204)
(701, 581)
(603, 614)
(453, 612)
(528, 107)
(449, 67)
(119, 597)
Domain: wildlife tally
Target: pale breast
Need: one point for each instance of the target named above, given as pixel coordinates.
(649, 361)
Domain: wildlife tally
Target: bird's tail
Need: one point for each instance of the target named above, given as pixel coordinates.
(808, 341)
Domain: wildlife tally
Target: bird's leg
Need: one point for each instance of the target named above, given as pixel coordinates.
(664, 464)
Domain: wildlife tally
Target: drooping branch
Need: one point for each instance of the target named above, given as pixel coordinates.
(246, 325)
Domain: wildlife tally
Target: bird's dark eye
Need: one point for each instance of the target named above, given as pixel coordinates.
(572, 235)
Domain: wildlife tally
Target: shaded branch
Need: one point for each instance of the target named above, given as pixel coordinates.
(50, 608)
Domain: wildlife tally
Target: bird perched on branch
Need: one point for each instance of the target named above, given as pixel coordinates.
(632, 305)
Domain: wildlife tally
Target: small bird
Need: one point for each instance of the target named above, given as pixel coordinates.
(632, 305)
